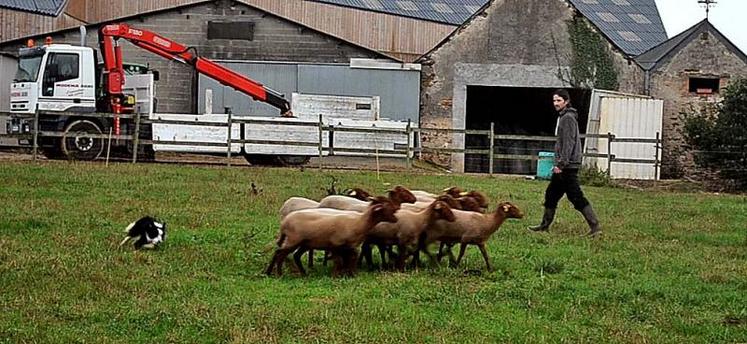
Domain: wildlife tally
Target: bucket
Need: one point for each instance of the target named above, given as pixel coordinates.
(544, 165)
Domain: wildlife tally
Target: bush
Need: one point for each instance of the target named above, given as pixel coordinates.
(719, 142)
(593, 176)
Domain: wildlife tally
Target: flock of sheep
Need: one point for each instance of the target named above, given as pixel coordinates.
(409, 220)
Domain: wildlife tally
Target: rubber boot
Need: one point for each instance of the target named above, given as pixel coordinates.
(592, 220)
(547, 219)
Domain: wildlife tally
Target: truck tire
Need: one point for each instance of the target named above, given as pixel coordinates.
(77, 143)
(291, 160)
(260, 159)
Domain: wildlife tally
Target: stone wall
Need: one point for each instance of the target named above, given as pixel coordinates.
(503, 46)
(705, 56)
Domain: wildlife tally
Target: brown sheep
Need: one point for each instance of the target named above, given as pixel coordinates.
(470, 228)
(340, 231)
(406, 232)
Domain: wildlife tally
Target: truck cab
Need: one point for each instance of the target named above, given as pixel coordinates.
(55, 77)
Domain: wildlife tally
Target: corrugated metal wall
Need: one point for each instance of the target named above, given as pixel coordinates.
(400, 37)
(625, 116)
(7, 72)
(399, 90)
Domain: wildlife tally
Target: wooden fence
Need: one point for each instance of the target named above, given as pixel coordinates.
(406, 152)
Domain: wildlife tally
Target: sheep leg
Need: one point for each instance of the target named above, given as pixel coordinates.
(383, 249)
(268, 271)
(297, 259)
(462, 248)
(311, 258)
(327, 256)
(282, 254)
(485, 255)
(351, 258)
(366, 255)
(401, 257)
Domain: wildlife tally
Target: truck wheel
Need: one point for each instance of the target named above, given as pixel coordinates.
(291, 160)
(78, 143)
(260, 159)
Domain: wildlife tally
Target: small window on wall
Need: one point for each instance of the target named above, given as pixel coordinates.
(704, 85)
(230, 30)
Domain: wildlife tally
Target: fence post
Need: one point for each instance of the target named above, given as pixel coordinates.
(408, 130)
(656, 158)
(321, 141)
(136, 138)
(331, 140)
(610, 137)
(228, 150)
(36, 133)
(492, 148)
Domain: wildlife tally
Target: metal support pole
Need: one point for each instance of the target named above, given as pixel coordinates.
(610, 137)
(36, 134)
(228, 150)
(321, 141)
(408, 131)
(492, 148)
(136, 138)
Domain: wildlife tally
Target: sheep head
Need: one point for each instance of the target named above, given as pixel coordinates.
(441, 210)
(358, 193)
(453, 191)
(383, 212)
(478, 196)
(450, 201)
(400, 194)
(470, 204)
(509, 210)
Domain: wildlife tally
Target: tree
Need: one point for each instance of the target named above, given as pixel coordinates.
(720, 142)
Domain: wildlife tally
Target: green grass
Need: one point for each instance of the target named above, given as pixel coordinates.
(669, 267)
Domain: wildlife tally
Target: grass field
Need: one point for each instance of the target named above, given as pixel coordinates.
(669, 267)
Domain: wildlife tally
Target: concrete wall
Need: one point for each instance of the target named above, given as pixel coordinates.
(275, 39)
(519, 43)
(700, 58)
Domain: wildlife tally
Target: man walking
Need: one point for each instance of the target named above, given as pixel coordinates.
(565, 172)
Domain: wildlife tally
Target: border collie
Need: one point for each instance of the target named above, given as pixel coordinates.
(147, 233)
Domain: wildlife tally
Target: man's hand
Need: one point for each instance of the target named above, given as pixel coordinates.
(556, 169)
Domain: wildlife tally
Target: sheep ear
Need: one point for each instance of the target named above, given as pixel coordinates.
(463, 193)
(506, 207)
(438, 206)
(352, 193)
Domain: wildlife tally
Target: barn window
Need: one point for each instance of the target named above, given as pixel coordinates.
(231, 30)
(704, 85)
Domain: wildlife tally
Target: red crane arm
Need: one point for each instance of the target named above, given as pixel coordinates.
(171, 50)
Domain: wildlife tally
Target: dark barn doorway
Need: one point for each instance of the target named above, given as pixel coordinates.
(514, 111)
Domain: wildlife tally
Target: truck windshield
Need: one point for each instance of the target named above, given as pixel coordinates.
(28, 68)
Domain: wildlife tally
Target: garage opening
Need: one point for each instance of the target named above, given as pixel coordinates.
(514, 111)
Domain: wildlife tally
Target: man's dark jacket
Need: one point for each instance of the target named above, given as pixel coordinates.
(568, 144)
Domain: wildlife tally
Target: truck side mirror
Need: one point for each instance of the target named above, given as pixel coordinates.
(156, 75)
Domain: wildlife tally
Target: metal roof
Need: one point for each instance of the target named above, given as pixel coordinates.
(632, 25)
(43, 7)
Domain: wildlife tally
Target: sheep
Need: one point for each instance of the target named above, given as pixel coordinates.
(340, 231)
(296, 203)
(397, 195)
(423, 196)
(469, 228)
(419, 205)
(405, 232)
(358, 193)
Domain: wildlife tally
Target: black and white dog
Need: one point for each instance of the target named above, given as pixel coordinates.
(147, 233)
